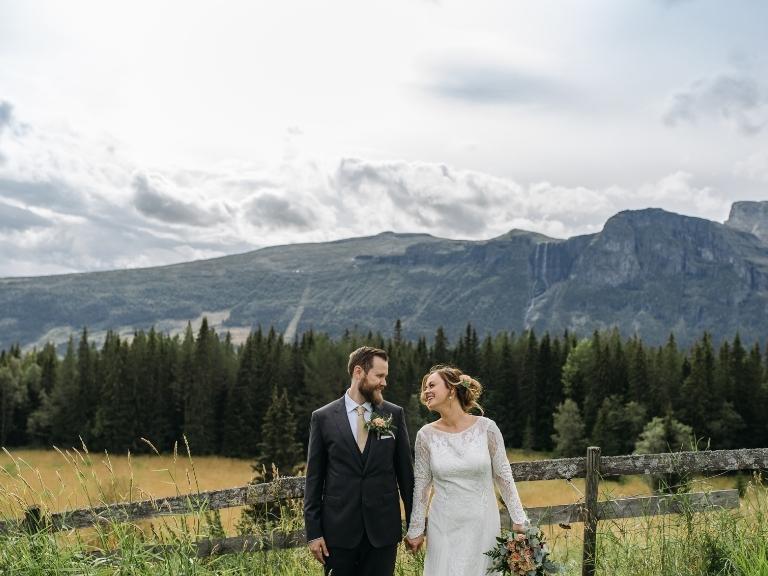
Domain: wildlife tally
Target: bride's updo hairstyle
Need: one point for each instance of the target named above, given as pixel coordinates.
(466, 388)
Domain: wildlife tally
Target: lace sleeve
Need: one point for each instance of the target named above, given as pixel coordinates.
(422, 474)
(502, 475)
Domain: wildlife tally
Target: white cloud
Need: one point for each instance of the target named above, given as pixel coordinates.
(737, 99)
(161, 199)
(68, 204)
(14, 218)
(755, 167)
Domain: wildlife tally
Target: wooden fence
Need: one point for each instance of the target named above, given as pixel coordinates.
(592, 467)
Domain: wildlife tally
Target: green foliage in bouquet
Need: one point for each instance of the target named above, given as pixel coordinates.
(522, 554)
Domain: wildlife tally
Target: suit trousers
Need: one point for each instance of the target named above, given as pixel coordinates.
(363, 560)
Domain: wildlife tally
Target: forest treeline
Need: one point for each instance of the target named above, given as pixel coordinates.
(254, 399)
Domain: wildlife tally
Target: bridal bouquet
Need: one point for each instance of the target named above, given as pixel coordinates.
(522, 554)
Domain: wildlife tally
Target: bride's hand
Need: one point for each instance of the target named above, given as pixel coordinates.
(414, 543)
(518, 528)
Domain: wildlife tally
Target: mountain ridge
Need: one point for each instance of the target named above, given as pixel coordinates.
(647, 271)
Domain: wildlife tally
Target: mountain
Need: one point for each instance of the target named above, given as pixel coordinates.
(751, 217)
(648, 271)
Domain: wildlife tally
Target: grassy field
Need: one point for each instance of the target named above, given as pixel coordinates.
(55, 481)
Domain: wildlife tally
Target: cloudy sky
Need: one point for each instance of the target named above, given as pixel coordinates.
(138, 133)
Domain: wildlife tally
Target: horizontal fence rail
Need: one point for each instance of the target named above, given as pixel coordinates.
(679, 462)
(566, 514)
(293, 487)
(632, 507)
(281, 489)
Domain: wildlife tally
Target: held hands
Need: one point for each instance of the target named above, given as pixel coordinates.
(319, 550)
(414, 544)
(518, 527)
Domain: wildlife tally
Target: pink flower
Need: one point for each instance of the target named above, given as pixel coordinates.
(378, 422)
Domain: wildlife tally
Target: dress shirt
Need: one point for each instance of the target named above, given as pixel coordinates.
(351, 406)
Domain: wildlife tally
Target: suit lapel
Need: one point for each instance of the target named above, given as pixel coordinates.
(342, 423)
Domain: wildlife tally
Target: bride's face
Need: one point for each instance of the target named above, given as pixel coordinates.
(436, 392)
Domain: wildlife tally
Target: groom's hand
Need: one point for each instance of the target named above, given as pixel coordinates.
(414, 544)
(319, 550)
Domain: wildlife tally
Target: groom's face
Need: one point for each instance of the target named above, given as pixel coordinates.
(372, 383)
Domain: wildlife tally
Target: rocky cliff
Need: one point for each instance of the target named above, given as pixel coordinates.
(750, 217)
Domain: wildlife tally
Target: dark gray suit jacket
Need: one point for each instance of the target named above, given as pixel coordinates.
(346, 492)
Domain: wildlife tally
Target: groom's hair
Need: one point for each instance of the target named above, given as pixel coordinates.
(363, 357)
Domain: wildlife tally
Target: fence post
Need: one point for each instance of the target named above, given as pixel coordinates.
(32, 520)
(590, 511)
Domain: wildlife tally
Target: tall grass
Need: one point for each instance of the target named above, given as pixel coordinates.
(719, 542)
(724, 542)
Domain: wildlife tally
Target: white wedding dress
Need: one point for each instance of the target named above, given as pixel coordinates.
(460, 469)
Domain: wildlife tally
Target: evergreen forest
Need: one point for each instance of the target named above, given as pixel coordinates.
(555, 393)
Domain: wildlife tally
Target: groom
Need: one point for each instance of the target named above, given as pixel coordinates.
(351, 503)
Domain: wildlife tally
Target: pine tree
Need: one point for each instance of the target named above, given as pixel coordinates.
(297, 393)
(467, 353)
(13, 395)
(528, 371)
(279, 453)
(239, 435)
(528, 392)
(67, 415)
(616, 377)
(48, 361)
(440, 353)
(670, 375)
(638, 379)
(636, 417)
(397, 335)
(569, 439)
(505, 396)
(199, 417)
(665, 434)
(749, 401)
(158, 419)
(548, 384)
(400, 383)
(278, 450)
(618, 426)
(697, 389)
(31, 395)
(171, 369)
(577, 370)
(114, 418)
(598, 384)
(325, 371)
(86, 369)
(722, 381)
(185, 382)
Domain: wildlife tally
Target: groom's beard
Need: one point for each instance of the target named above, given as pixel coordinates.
(372, 394)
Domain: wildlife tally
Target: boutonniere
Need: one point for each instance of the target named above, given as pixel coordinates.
(381, 424)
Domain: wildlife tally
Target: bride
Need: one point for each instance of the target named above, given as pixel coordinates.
(459, 457)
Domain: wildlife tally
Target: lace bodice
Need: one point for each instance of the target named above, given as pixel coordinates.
(460, 470)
